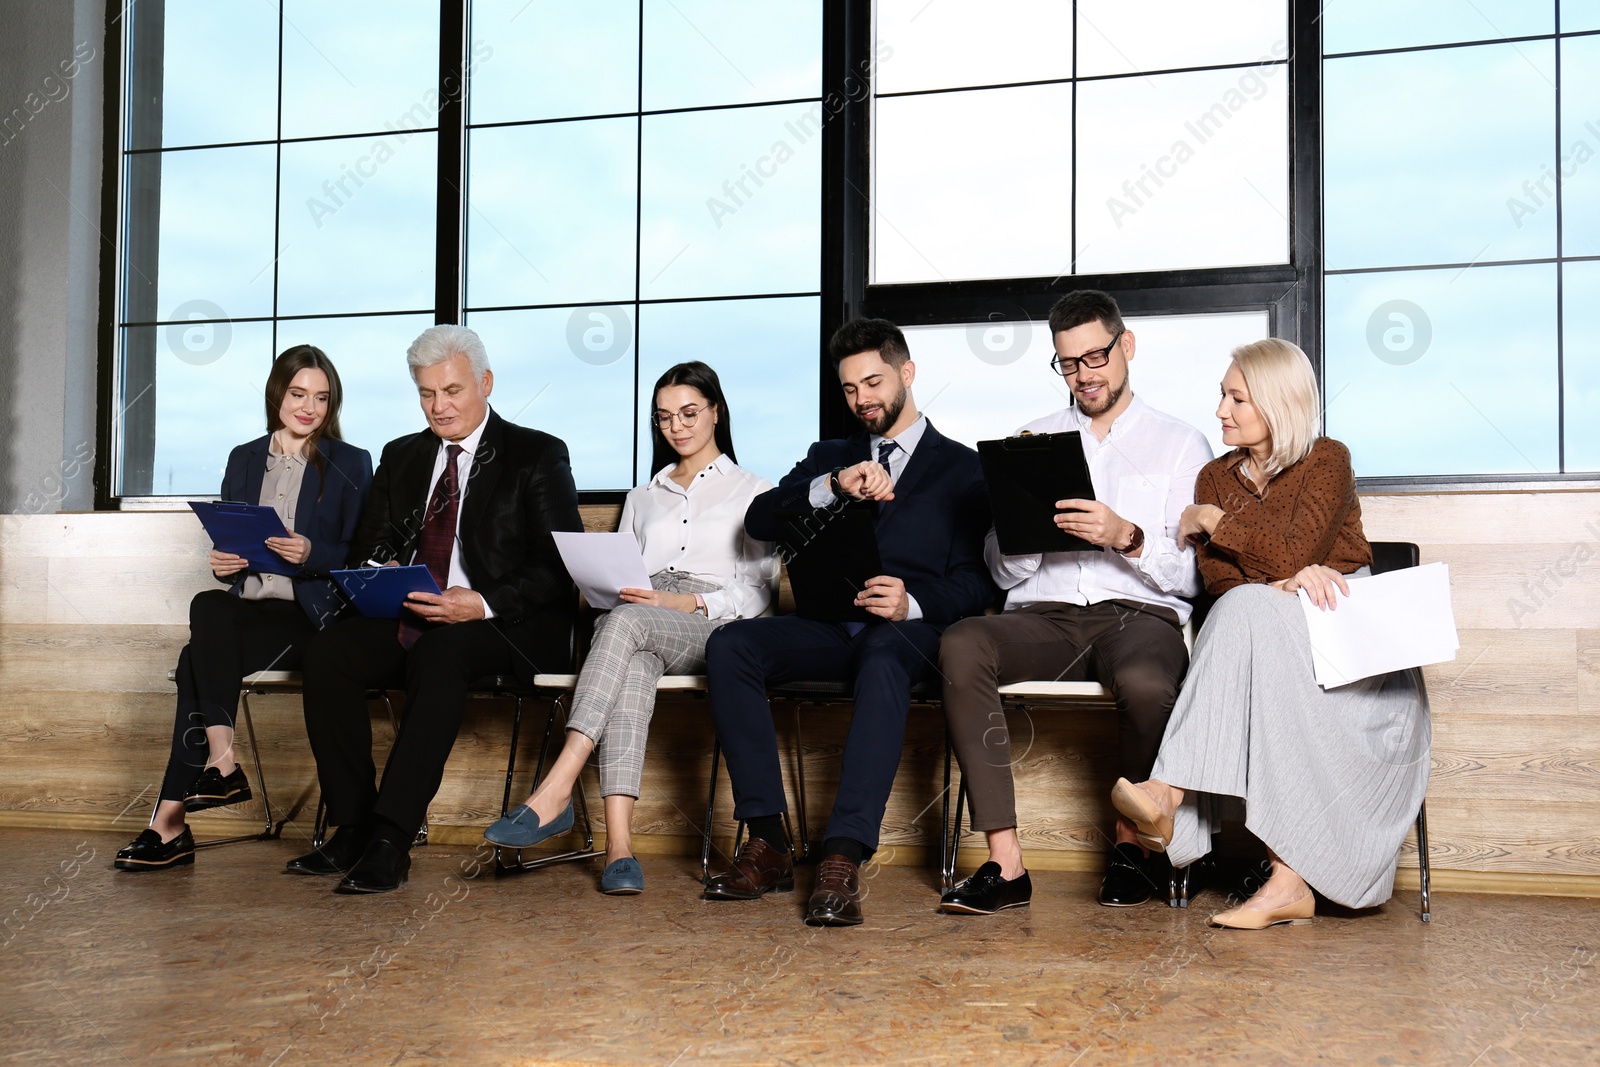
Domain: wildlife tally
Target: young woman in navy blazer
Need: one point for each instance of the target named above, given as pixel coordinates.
(317, 484)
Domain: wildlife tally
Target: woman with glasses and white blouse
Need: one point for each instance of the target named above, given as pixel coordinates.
(705, 571)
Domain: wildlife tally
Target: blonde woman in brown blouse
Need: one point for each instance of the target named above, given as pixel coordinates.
(1330, 779)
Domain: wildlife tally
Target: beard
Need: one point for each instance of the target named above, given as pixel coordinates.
(1107, 399)
(888, 415)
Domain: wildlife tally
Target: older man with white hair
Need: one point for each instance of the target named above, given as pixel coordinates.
(473, 498)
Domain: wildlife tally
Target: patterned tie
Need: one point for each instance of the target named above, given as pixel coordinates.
(437, 540)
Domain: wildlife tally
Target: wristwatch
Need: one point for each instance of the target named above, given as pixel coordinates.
(1137, 542)
(833, 483)
(700, 605)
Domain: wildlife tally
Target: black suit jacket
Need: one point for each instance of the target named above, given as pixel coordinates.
(326, 514)
(930, 535)
(518, 491)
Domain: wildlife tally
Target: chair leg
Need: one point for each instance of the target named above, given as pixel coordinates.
(947, 861)
(269, 833)
(711, 806)
(804, 851)
(580, 804)
(1422, 858)
(1178, 887)
(511, 760)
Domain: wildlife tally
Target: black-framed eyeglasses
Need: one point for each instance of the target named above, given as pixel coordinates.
(686, 417)
(1066, 365)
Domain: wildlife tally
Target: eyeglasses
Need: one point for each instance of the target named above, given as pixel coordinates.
(1066, 366)
(686, 417)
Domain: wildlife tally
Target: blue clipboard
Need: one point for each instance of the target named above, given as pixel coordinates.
(379, 592)
(242, 529)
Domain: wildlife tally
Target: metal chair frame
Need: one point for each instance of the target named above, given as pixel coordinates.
(556, 687)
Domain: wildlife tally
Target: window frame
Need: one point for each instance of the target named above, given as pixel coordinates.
(1292, 294)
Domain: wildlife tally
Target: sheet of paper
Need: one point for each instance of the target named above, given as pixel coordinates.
(602, 564)
(1389, 622)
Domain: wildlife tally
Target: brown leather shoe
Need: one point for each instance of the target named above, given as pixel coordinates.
(757, 868)
(837, 899)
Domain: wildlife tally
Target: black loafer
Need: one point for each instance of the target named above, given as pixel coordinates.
(1132, 878)
(211, 790)
(336, 856)
(986, 892)
(381, 869)
(148, 852)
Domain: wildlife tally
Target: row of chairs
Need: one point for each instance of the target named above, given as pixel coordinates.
(555, 688)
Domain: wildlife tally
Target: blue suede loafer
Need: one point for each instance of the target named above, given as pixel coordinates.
(623, 878)
(521, 829)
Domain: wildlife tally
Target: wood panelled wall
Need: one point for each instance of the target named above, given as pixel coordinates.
(93, 611)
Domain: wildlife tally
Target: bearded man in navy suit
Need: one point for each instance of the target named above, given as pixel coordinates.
(932, 515)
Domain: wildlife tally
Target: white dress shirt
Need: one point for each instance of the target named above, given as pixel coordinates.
(699, 531)
(905, 444)
(1144, 471)
(469, 448)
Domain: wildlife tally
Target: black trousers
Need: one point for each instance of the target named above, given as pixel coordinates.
(882, 662)
(229, 637)
(350, 658)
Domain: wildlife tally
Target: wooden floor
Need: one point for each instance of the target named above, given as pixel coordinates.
(234, 961)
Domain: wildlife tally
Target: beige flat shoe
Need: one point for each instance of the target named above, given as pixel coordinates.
(1295, 913)
(1153, 827)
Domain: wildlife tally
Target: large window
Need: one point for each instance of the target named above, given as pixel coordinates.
(639, 185)
(1409, 191)
(1023, 148)
(1463, 236)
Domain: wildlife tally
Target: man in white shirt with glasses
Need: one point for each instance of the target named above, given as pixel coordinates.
(1114, 615)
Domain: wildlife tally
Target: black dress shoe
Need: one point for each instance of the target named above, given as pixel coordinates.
(148, 852)
(986, 892)
(212, 790)
(381, 869)
(336, 855)
(1132, 878)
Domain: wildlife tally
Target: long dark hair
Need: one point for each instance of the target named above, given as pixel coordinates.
(695, 375)
(284, 368)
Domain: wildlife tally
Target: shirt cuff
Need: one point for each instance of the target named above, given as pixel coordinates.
(821, 490)
(488, 612)
(913, 609)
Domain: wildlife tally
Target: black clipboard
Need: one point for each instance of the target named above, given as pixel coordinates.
(1026, 476)
(830, 555)
(242, 530)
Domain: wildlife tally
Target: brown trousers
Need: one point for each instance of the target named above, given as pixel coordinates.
(1134, 650)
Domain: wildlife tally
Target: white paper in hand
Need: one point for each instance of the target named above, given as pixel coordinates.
(602, 564)
(1389, 622)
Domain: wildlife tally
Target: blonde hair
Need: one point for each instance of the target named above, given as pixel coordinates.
(1283, 387)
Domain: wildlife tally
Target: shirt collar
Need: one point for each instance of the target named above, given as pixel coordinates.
(722, 465)
(1135, 410)
(470, 444)
(275, 457)
(907, 439)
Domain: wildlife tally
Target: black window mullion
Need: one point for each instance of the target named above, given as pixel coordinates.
(848, 75)
(1305, 327)
(451, 192)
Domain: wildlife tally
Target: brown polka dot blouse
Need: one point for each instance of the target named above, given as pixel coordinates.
(1308, 514)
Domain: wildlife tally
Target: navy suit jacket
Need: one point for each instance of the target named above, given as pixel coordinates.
(518, 491)
(325, 516)
(930, 535)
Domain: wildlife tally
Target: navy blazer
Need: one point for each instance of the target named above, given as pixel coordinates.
(930, 535)
(519, 490)
(326, 517)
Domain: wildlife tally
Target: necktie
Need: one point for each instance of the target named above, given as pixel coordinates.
(885, 449)
(437, 539)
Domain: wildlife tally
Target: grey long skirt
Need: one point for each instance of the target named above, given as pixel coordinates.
(1330, 780)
